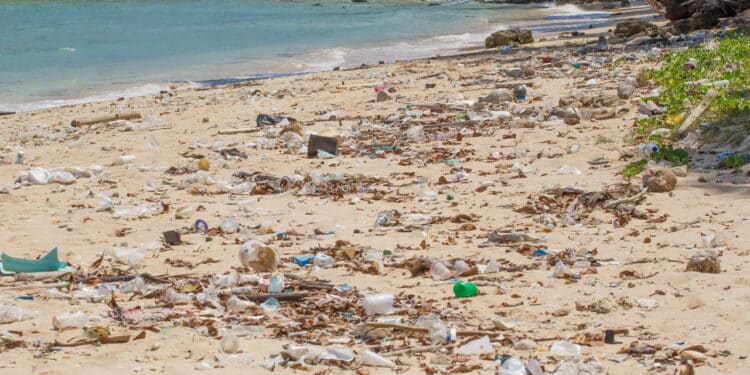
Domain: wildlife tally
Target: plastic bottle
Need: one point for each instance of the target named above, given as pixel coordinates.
(440, 271)
(519, 92)
(322, 260)
(464, 289)
(512, 366)
(10, 314)
(439, 333)
(237, 305)
(276, 283)
(416, 219)
(379, 304)
(69, 320)
(648, 148)
(144, 210)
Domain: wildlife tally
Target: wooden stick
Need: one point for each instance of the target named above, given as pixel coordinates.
(696, 112)
(248, 293)
(239, 131)
(146, 276)
(450, 124)
(405, 327)
(6, 113)
(416, 349)
(617, 202)
(105, 118)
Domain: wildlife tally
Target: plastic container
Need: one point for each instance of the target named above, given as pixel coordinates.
(440, 271)
(564, 349)
(322, 260)
(648, 148)
(461, 267)
(416, 219)
(378, 304)
(512, 366)
(519, 92)
(271, 304)
(439, 333)
(229, 344)
(144, 210)
(464, 289)
(69, 320)
(276, 283)
(229, 225)
(11, 314)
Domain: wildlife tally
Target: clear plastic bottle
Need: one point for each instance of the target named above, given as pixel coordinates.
(69, 320)
(564, 349)
(10, 314)
(176, 298)
(461, 267)
(237, 305)
(512, 366)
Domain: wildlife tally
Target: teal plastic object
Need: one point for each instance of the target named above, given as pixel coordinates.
(49, 262)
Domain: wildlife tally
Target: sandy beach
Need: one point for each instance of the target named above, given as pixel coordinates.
(470, 178)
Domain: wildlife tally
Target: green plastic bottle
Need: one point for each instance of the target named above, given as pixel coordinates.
(464, 290)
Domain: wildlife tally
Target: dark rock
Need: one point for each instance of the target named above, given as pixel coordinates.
(509, 37)
(631, 28)
(382, 96)
(625, 91)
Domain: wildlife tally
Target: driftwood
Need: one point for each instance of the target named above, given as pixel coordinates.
(105, 118)
(145, 276)
(617, 202)
(239, 131)
(696, 113)
(250, 294)
(450, 124)
(6, 113)
(409, 328)
(41, 276)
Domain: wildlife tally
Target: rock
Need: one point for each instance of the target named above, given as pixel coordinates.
(509, 37)
(659, 180)
(693, 355)
(705, 261)
(568, 114)
(499, 96)
(525, 344)
(625, 91)
(518, 123)
(383, 96)
(680, 171)
(515, 73)
(640, 79)
(631, 28)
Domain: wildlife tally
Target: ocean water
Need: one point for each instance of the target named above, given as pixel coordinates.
(59, 52)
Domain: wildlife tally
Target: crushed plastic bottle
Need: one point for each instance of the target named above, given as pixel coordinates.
(561, 271)
(439, 271)
(237, 305)
(416, 219)
(229, 225)
(439, 333)
(478, 346)
(176, 298)
(323, 260)
(370, 358)
(11, 314)
(69, 320)
(144, 210)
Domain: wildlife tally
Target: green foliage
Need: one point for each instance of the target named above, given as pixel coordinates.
(676, 157)
(733, 161)
(635, 168)
(728, 61)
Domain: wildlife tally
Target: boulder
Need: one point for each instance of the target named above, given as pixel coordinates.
(508, 37)
(659, 180)
(705, 261)
(499, 96)
(631, 28)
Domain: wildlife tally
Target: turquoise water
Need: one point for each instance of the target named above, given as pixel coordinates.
(55, 51)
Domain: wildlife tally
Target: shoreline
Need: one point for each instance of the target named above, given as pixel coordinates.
(153, 88)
